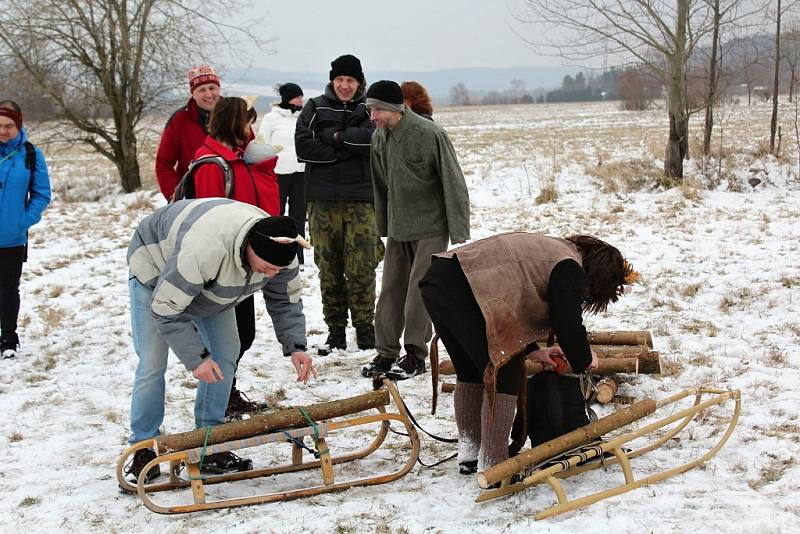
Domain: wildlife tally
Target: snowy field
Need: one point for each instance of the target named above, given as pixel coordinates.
(720, 291)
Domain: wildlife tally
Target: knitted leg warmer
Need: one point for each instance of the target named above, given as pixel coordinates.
(468, 401)
(495, 431)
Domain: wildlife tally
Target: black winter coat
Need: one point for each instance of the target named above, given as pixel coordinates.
(335, 170)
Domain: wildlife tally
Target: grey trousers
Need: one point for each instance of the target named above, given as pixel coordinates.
(400, 304)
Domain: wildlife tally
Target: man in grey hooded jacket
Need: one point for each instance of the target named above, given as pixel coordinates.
(190, 263)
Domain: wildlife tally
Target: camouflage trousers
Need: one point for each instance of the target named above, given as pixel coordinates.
(347, 250)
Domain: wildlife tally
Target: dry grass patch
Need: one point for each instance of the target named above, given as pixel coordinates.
(625, 176)
(30, 501)
(772, 472)
(16, 437)
(775, 357)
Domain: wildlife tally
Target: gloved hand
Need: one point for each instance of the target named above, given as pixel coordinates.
(327, 136)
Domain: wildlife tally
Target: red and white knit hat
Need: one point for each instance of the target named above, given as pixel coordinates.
(200, 76)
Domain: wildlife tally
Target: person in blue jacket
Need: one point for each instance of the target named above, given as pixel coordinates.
(24, 194)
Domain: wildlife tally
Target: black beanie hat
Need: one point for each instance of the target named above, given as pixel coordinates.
(289, 91)
(278, 254)
(385, 94)
(347, 65)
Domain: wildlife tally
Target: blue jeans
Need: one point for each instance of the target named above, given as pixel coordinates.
(147, 404)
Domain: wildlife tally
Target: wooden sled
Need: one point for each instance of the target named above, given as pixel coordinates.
(580, 451)
(317, 422)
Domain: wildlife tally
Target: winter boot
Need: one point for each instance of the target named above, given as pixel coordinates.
(378, 366)
(365, 336)
(225, 462)
(407, 366)
(8, 346)
(337, 339)
(140, 459)
(240, 404)
(468, 401)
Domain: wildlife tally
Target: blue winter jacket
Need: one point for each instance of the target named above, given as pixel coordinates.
(19, 210)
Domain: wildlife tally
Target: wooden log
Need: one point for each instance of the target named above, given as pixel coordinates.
(576, 438)
(650, 363)
(447, 387)
(608, 366)
(615, 337)
(606, 389)
(267, 422)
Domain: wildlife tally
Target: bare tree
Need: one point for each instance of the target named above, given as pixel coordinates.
(659, 34)
(459, 95)
(517, 89)
(782, 7)
(747, 61)
(103, 64)
(791, 54)
(773, 122)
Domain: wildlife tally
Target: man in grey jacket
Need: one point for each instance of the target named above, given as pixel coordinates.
(421, 200)
(190, 263)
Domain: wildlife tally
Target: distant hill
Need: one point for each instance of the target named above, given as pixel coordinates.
(438, 82)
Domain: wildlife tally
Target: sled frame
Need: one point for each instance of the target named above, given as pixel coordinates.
(567, 465)
(325, 463)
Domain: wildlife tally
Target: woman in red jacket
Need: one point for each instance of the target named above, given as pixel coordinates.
(230, 131)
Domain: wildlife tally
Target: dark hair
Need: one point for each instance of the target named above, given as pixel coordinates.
(229, 119)
(606, 269)
(420, 100)
(10, 104)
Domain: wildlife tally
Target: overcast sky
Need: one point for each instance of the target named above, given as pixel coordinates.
(392, 35)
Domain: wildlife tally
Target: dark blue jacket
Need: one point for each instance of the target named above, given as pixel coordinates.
(21, 202)
(340, 171)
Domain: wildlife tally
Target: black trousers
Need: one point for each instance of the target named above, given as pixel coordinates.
(246, 325)
(292, 188)
(11, 260)
(460, 324)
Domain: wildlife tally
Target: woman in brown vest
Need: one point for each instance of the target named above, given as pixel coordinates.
(491, 300)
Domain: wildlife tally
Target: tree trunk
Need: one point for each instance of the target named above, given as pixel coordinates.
(773, 123)
(678, 142)
(127, 154)
(792, 80)
(712, 85)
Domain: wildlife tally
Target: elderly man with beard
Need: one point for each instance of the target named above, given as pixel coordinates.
(333, 139)
(421, 201)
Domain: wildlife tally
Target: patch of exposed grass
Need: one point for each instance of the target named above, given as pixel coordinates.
(625, 176)
(16, 437)
(29, 501)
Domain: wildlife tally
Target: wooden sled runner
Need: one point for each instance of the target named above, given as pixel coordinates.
(317, 422)
(568, 455)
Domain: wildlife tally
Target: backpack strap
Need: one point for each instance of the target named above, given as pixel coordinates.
(185, 188)
(30, 163)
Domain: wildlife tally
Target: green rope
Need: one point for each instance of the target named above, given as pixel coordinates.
(203, 454)
(315, 428)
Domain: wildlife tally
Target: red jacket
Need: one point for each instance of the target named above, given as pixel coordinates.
(182, 136)
(253, 184)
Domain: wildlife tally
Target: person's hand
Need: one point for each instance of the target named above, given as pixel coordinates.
(208, 372)
(304, 366)
(543, 356)
(595, 361)
(327, 136)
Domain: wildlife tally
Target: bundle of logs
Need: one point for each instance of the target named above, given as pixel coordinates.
(619, 352)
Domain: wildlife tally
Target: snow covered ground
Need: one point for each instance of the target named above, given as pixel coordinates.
(720, 292)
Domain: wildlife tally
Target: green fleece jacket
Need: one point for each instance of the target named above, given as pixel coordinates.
(419, 188)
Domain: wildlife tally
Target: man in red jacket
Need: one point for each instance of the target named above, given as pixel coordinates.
(186, 129)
